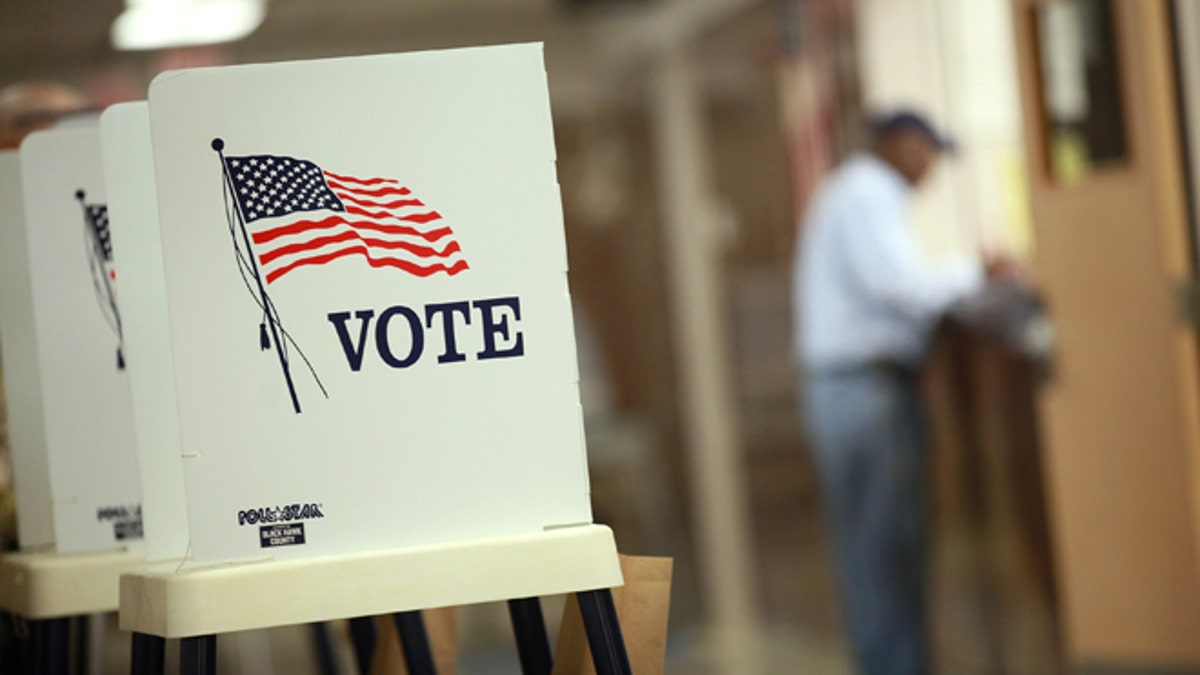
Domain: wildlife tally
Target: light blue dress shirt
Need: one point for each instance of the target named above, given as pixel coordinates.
(863, 290)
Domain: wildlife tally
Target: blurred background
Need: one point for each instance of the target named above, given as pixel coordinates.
(690, 136)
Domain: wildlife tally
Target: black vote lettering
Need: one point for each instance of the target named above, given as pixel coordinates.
(354, 355)
(383, 341)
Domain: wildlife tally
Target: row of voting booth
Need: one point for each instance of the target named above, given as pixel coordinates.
(293, 342)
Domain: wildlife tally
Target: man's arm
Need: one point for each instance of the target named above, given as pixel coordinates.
(883, 256)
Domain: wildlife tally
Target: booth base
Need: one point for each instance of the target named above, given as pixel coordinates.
(174, 601)
(55, 585)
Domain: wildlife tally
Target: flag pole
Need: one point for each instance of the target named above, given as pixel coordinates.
(272, 320)
(98, 253)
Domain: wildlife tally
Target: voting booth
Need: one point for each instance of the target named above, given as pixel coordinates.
(293, 342)
(78, 498)
(80, 396)
(137, 251)
(368, 336)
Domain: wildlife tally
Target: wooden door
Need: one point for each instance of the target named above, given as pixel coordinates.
(1120, 415)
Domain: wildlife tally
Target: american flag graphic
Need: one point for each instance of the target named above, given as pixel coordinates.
(300, 215)
(97, 219)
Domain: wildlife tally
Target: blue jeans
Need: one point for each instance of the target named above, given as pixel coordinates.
(867, 434)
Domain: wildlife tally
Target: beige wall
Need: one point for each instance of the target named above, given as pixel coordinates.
(954, 59)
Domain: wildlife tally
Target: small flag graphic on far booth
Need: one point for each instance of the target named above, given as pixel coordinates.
(98, 241)
(285, 214)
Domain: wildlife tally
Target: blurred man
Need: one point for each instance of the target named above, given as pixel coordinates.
(867, 306)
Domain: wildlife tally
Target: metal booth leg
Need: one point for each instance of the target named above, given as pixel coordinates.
(533, 645)
(198, 655)
(54, 646)
(148, 653)
(362, 634)
(323, 645)
(604, 632)
(417, 655)
(12, 644)
(31, 647)
(80, 644)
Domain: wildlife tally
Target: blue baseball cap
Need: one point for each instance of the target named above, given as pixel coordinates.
(905, 120)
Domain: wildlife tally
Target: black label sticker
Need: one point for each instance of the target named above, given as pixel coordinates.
(287, 534)
(126, 520)
(131, 529)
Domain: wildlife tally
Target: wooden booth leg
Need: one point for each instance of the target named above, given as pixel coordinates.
(198, 655)
(417, 655)
(148, 653)
(604, 632)
(533, 645)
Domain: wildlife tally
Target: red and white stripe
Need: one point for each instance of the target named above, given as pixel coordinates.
(383, 223)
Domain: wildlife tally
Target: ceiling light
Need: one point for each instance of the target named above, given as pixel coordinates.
(162, 24)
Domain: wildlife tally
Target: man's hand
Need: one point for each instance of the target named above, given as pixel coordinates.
(999, 266)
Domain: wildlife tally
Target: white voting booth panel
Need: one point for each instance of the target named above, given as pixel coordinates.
(85, 396)
(22, 381)
(370, 322)
(137, 251)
